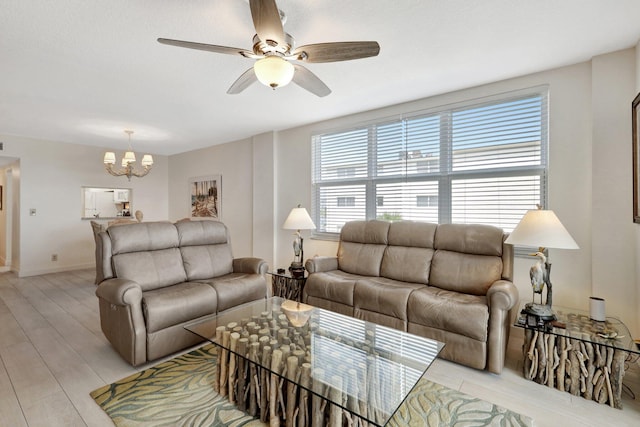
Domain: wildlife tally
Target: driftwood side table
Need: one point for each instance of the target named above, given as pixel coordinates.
(286, 286)
(578, 355)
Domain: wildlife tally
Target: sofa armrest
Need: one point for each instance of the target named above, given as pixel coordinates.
(250, 265)
(502, 296)
(319, 264)
(122, 320)
(120, 292)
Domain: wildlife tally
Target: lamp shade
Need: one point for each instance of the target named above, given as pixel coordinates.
(129, 157)
(109, 158)
(299, 219)
(147, 160)
(541, 228)
(273, 71)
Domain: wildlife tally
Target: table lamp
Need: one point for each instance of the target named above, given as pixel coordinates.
(298, 219)
(541, 228)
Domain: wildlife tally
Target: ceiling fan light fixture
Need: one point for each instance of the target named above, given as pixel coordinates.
(274, 71)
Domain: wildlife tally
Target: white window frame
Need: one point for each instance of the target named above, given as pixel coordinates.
(445, 176)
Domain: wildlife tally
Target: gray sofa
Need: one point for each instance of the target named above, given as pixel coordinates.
(157, 276)
(449, 282)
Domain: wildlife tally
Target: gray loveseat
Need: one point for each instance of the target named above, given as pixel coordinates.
(157, 276)
(449, 282)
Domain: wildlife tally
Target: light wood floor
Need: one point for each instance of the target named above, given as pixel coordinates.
(53, 354)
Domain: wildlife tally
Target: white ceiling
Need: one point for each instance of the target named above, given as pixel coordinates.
(83, 71)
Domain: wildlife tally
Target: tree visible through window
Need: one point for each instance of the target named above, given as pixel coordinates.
(483, 162)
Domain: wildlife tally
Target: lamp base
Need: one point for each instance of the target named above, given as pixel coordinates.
(297, 270)
(542, 312)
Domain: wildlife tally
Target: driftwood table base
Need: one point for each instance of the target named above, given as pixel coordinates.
(268, 394)
(582, 368)
(287, 286)
(294, 365)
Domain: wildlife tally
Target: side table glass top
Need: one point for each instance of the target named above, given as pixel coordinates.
(577, 324)
(287, 274)
(375, 367)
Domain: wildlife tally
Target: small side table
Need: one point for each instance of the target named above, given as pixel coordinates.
(286, 286)
(575, 354)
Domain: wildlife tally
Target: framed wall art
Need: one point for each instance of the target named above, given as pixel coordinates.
(206, 197)
(635, 126)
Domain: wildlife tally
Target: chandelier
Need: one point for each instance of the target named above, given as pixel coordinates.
(127, 162)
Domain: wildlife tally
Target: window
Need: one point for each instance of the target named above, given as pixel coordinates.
(346, 201)
(346, 172)
(483, 162)
(427, 201)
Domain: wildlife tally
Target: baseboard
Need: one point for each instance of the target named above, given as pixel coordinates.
(38, 272)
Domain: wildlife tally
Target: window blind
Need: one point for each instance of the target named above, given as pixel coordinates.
(479, 162)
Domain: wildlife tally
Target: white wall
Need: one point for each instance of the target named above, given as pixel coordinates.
(49, 180)
(234, 161)
(614, 247)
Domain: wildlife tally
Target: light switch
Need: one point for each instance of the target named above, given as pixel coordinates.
(32, 211)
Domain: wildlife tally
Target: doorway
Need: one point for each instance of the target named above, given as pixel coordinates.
(8, 167)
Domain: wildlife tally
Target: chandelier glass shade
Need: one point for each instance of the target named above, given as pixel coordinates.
(274, 71)
(128, 162)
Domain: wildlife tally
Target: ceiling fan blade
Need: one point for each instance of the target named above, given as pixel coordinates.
(209, 47)
(244, 81)
(309, 81)
(339, 51)
(266, 19)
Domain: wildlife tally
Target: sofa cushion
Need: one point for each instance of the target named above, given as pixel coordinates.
(469, 274)
(455, 312)
(150, 269)
(205, 262)
(362, 244)
(407, 264)
(195, 233)
(144, 236)
(333, 285)
(384, 296)
(469, 239)
(238, 288)
(412, 234)
(176, 304)
(205, 249)
(373, 232)
(408, 256)
(359, 258)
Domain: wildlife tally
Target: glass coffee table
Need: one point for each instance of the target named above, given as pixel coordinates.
(578, 355)
(282, 359)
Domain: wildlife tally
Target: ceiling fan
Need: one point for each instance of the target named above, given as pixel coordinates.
(276, 56)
